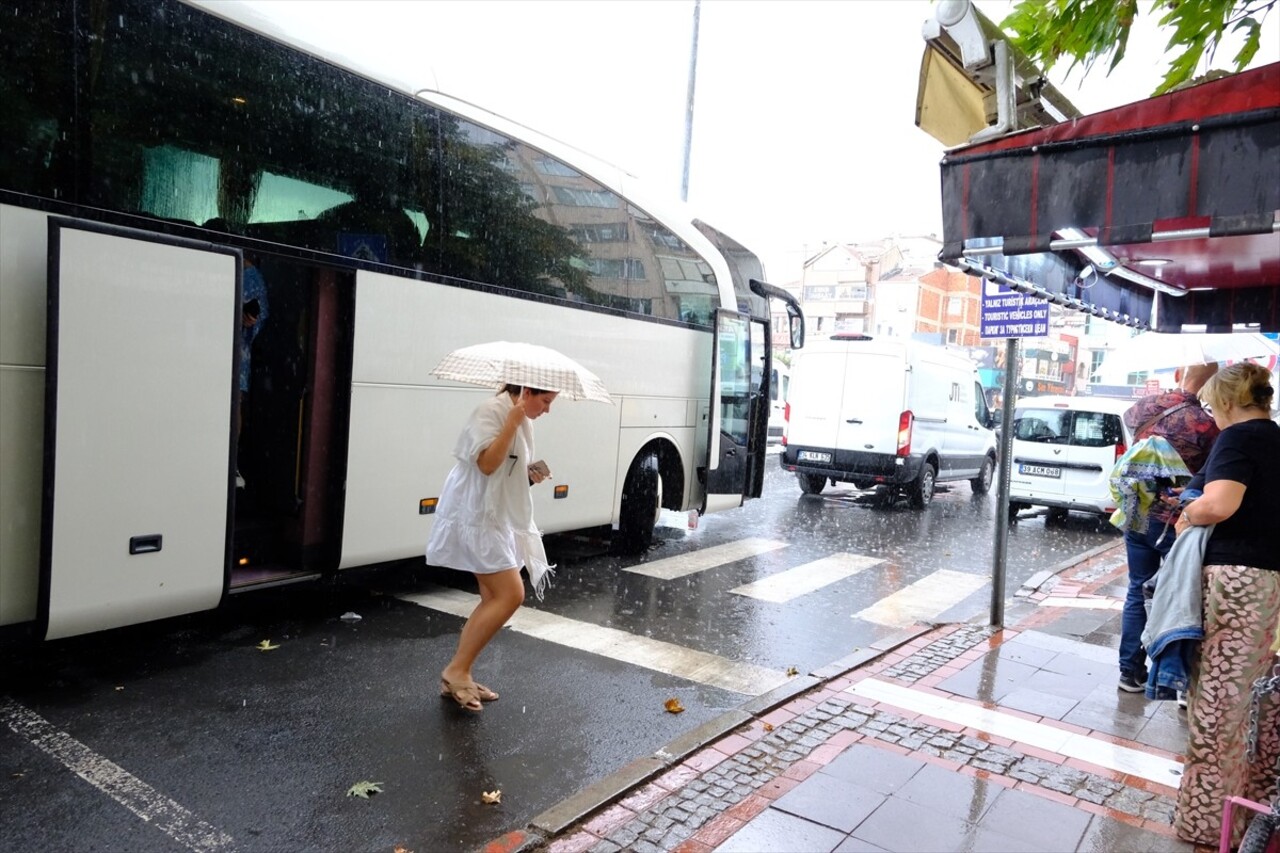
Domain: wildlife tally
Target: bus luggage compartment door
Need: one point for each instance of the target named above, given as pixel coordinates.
(142, 351)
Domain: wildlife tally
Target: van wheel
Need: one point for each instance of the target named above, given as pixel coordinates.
(1055, 515)
(641, 504)
(1015, 508)
(811, 484)
(981, 484)
(922, 488)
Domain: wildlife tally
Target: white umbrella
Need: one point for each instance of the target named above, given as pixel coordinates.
(501, 363)
(1156, 351)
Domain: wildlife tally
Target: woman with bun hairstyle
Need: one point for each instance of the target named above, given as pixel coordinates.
(1240, 585)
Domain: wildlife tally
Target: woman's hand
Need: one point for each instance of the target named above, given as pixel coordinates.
(1181, 524)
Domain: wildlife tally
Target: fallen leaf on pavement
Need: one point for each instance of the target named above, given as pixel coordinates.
(791, 670)
(400, 848)
(266, 646)
(490, 796)
(673, 706)
(364, 789)
(768, 727)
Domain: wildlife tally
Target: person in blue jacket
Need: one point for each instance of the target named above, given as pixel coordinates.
(254, 311)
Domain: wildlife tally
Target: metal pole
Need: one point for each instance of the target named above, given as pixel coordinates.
(1002, 492)
(688, 109)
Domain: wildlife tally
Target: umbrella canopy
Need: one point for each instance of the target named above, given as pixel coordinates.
(501, 363)
(1155, 351)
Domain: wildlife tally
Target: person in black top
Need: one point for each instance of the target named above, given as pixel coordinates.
(1241, 601)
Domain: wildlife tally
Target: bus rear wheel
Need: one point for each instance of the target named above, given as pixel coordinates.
(641, 504)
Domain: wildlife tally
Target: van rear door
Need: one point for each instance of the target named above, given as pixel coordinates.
(873, 397)
(1041, 439)
(817, 387)
(1091, 455)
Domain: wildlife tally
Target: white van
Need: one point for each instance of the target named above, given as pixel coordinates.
(1063, 451)
(887, 412)
(779, 389)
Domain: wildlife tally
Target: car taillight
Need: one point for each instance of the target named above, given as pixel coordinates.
(904, 434)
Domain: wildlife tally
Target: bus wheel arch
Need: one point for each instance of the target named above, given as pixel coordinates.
(655, 479)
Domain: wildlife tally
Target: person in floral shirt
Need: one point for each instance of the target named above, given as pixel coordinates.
(1177, 416)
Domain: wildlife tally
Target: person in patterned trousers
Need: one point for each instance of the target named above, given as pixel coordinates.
(1241, 600)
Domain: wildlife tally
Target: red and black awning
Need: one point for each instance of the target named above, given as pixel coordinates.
(1166, 211)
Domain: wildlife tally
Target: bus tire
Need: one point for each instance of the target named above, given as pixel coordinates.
(641, 503)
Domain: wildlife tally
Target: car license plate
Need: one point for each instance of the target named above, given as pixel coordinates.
(814, 456)
(1040, 471)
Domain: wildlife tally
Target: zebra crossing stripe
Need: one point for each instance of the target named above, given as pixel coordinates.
(702, 559)
(113, 780)
(807, 578)
(923, 600)
(1123, 759)
(657, 655)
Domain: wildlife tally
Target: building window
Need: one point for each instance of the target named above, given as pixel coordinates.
(613, 232)
(574, 197)
(622, 268)
(555, 167)
(953, 336)
(955, 306)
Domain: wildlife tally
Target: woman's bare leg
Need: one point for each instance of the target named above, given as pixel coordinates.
(501, 594)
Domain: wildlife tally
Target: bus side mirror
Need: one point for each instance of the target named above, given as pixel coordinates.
(797, 327)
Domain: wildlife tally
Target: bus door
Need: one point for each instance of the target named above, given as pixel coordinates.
(735, 448)
(140, 391)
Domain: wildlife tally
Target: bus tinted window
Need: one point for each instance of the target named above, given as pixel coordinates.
(176, 114)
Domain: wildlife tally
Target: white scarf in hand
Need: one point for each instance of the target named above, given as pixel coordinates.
(508, 489)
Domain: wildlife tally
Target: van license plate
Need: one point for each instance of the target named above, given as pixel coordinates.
(814, 456)
(1040, 471)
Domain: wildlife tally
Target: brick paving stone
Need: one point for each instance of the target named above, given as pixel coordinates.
(605, 846)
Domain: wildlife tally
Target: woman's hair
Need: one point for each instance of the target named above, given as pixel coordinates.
(1244, 385)
(514, 390)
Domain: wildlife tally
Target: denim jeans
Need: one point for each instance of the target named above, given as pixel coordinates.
(1145, 552)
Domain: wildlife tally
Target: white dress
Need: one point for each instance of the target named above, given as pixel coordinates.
(484, 523)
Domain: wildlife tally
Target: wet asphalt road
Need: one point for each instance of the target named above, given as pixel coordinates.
(183, 735)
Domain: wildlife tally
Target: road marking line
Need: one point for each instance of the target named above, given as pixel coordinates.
(114, 781)
(922, 600)
(810, 577)
(671, 568)
(1087, 603)
(1123, 759)
(649, 653)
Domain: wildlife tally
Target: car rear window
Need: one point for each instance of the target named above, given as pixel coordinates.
(1064, 426)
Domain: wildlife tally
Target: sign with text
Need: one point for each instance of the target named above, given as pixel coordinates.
(1009, 314)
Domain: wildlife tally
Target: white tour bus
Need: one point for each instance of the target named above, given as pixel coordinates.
(154, 154)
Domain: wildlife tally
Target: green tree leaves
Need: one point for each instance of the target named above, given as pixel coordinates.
(1085, 31)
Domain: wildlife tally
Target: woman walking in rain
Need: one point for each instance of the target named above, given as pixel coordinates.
(485, 526)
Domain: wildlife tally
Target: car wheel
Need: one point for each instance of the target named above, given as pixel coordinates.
(641, 504)
(811, 484)
(981, 484)
(922, 488)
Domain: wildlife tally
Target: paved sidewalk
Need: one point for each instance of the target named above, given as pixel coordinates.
(948, 738)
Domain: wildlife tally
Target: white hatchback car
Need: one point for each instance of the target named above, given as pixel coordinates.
(1063, 451)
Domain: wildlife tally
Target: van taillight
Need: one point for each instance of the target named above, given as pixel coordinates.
(1120, 450)
(786, 422)
(904, 434)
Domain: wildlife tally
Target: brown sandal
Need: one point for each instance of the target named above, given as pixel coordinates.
(485, 694)
(466, 694)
